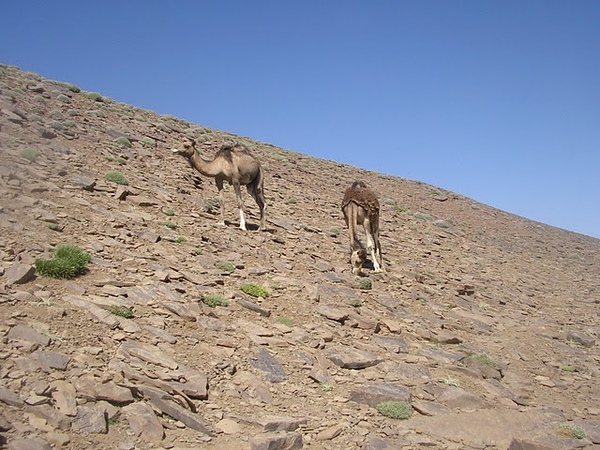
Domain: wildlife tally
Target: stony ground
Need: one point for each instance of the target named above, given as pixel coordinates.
(485, 324)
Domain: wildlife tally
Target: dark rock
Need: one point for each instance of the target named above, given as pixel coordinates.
(269, 366)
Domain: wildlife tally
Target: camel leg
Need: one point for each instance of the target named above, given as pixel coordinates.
(378, 250)
(219, 183)
(240, 201)
(259, 197)
(371, 244)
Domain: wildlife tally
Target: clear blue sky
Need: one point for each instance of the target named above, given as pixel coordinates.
(495, 100)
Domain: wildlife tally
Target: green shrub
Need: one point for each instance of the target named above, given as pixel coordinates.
(365, 284)
(169, 212)
(63, 98)
(73, 88)
(284, 321)
(92, 96)
(123, 142)
(170, 225)
(483, 358)
(334, 231)
(116, 177)
(226, 266)
(571, 430)
(180, 239)
(254, 290)
(121, 311)
(214, 300)
(30, 154)
(148, 142)
(69, 261)
(394, 409)
(356, 302)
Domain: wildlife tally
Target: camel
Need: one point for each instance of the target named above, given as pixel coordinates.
(232, 163)
(361, 207)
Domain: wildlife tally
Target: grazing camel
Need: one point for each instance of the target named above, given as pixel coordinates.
(232, 163)
(361, 207)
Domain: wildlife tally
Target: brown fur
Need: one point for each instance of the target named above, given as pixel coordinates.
(232, 163)
(361, 207)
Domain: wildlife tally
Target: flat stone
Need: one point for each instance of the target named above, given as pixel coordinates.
(456, 397)
(290, 441)
(64, 396)
(28, 334)
(32, 443)
(274, 423)
(10, 397)
(373, 394)
(269, 366)
(351, 358)
(391, 344)
(580, 338)
(148, 353)
(92, 388)
(90, 419)
(332, 313)
(143, 422)
(19, 273)
(167, 405)
(53, 360)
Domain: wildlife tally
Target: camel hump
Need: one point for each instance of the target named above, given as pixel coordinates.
(228, 149)
(360, 194)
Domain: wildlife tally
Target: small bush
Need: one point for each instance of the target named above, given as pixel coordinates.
(365, 284)
(92, 96)
(180, 239)
(254, 290)
(170, 225)
(356, 302)
(169, 212)
(30, 154)
(225, 266)
(284, 321)
(571, 430)
(394, 410)
(450, 381)
(63, 98)
(214, 300)
(334, 231)
(148, 142)
(121, 311)
(116, 177)
(484, 359)
(123, 142)
(69, 261)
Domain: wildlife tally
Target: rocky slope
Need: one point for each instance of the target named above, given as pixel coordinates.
(485, 324)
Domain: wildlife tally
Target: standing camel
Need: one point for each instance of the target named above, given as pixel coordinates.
(232, 163)
(361, 207)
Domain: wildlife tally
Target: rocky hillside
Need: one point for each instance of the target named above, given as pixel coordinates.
(484, 328)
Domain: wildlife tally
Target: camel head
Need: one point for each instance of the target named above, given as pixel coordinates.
(357, 259)
(189, 147)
